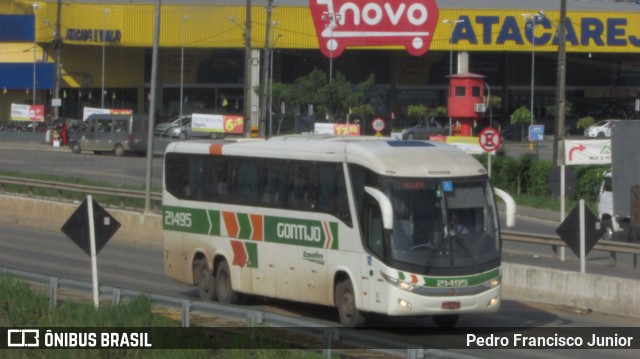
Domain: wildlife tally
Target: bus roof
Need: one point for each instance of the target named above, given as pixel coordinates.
(385, 156)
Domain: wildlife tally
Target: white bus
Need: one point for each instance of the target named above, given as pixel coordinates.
(363, 224)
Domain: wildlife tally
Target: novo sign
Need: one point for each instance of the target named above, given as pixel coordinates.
(585, 31)
(94, 35)
(345, 23)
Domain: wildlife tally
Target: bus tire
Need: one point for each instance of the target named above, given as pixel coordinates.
(345, 301)
(607, 225)
(206, 281)
(445, 320)
(118, 150)
(75, 147)
(224, 290)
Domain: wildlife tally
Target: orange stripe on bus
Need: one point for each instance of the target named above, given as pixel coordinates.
(327, 230)
(215, 149)
(257, 223)
(231, 223)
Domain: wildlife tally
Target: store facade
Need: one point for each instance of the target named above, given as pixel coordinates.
(107, 45)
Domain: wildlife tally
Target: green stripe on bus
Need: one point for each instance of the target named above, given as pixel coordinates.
(300, 232)
(245, 226)
(252, 253)
(437, 282)
(471, 280)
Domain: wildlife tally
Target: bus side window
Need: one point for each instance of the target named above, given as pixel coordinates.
(195, 187)
(219, 185)
(247, 182)
(275, 183)
(375, 232)
(302, 193)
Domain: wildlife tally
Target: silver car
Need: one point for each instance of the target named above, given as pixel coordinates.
(422, 130)
(165, 128)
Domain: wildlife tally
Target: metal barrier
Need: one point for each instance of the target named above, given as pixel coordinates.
(246, 318)
(122, 194)
(607, 246)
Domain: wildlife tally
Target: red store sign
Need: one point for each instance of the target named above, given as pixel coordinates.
(344, 23)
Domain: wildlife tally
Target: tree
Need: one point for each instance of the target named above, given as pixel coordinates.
(494, 102)
(421, 112)
(585, 122)
(521, 116)
(331, 99)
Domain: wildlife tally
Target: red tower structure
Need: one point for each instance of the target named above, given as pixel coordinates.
(466, 101)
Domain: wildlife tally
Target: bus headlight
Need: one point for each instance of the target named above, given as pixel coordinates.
(398, 283)
(404, 304)
(493, 301)
(492, 283)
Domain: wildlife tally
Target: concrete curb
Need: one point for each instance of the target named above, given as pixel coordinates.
(520, 282)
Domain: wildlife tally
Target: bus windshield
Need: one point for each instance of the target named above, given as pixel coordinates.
(443, 227)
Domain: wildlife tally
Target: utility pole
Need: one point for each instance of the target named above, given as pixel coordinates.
(558, 143)
(57, 46)
(247, 71)
(264, 67)
(152, 106)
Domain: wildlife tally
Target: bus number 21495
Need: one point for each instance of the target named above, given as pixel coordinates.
(180, 219)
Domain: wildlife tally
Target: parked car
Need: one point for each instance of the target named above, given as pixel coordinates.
(163, 129)
(423, 129)
(600, 129)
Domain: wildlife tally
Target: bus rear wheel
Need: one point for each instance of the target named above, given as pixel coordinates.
(224, 290)
(75, 147)
(445, 320)
(118, 150)
(345, 300)
(206, 281)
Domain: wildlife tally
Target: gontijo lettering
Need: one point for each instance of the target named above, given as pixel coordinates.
(299, 232)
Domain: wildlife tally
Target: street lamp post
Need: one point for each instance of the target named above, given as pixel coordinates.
(533, 57)
(451, 23)
(36, 6)
(331, 18)
(271, 84)
(104, 33)
(184, 20)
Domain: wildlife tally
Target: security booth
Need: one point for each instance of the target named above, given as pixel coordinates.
(466, 101)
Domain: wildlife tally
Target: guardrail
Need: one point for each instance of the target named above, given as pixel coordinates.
(246, 318)
(613, 247)
(608, 246)
(60, 187)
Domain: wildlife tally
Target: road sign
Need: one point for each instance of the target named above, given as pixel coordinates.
(378, 124)
(569, 230)
(587, 152)
(536, 133)
(77, 227)
(569, 181)
(489, 139)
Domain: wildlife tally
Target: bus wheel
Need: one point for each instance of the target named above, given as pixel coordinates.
(118, 150)
(608, 229)
(445, 320)
(75, 147)
(224, 290)
(206, 281)
(345, 300)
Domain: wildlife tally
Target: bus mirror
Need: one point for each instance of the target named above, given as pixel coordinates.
(385, 206)
(510, 206)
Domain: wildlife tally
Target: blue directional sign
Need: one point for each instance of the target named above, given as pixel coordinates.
(536, 133)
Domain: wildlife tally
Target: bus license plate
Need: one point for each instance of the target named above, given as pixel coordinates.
(450, 305)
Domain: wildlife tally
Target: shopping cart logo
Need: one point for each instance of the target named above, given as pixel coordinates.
(345, 23)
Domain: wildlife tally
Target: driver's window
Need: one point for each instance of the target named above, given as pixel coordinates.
(375, 231)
